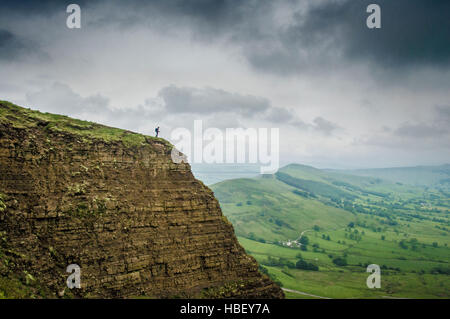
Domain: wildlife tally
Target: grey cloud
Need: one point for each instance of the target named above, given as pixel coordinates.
(279, 115)
(59, 98)
(317, 34)
(437, 128)
(323, 34)
(434, 134)
(32, 7)
(173, 106)
(405, 24)
(420, 130)
(413, 33)
(324, 126)
(210, 100)
(443, 114)
(287, 117)
(319, 125)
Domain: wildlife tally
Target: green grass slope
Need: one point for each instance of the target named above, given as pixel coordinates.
(269, 209)
(17, 116)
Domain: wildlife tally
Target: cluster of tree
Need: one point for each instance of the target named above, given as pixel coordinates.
(354, 236)
(282, 262)
(442, 228)
(384, 267)
(304, 240)
(279, 223)
(303, 264)
(413, 243)
(303, 194)
(389, 222)
(340, 261)
(278, 262)
(440, 270)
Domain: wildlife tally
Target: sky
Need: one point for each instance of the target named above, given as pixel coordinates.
(341, 94)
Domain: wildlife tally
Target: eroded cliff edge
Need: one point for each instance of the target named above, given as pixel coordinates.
(113, 202)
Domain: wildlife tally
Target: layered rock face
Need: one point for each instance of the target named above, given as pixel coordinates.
(114, 203)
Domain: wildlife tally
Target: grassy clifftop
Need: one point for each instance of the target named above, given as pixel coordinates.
(26, 118)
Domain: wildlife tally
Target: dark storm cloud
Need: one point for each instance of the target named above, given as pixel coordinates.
(42, 7)
(13, 47)
(413, 33)
(318, 34)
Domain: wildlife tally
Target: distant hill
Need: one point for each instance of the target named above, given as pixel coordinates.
(298, 197)
(215, 173)
(419, 175)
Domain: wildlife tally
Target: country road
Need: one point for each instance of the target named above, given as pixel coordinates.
(304, 293)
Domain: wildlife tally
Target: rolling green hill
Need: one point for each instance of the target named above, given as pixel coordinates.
(303, 219)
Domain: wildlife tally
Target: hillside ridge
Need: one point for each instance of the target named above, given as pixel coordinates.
(113, 202)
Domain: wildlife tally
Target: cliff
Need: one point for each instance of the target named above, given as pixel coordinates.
(114, 203)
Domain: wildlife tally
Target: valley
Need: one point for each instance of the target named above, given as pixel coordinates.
(348, 222)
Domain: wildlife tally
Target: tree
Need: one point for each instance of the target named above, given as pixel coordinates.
(316, 228)
(351, 224)
(435, 244)
(402, 244)
(382, 237)
(340, 261)
(304, 240)
(303, 264)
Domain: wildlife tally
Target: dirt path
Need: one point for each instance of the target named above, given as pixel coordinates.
(304, 293)
(298, 239)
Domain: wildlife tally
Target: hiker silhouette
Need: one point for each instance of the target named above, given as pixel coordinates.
(157, 131)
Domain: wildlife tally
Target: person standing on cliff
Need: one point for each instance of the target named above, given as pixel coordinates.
(157, 131)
